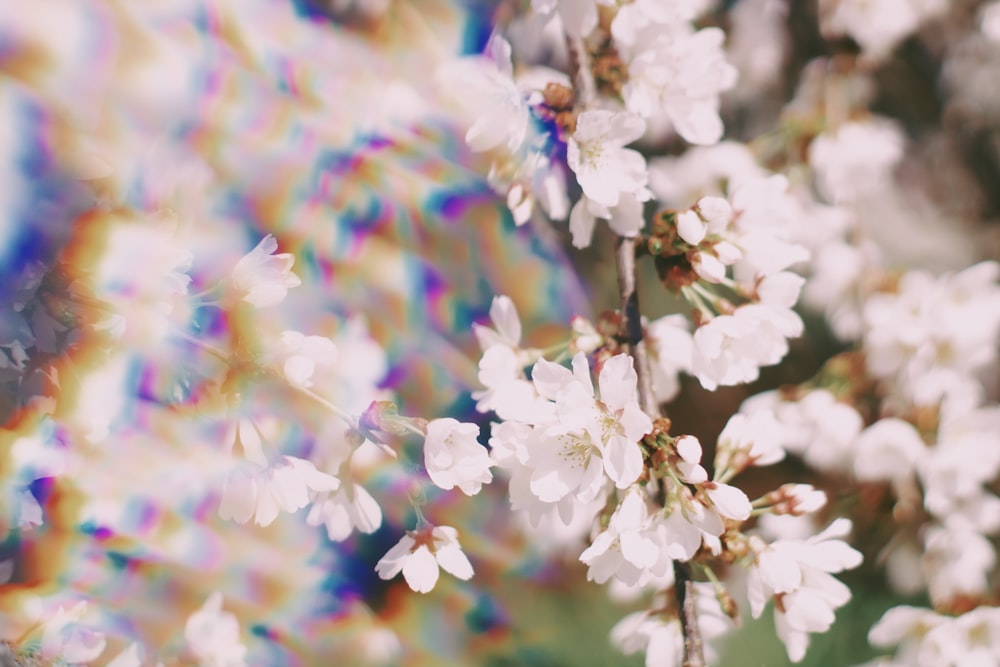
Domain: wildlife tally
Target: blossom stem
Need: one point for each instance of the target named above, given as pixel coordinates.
(696, 300)
(558, 349)
(700, 298)
(332, 407)
(725, 475)
(217, 352)
(411, 428)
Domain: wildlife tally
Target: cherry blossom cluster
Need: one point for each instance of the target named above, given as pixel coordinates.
(571, 448)
(157, 342)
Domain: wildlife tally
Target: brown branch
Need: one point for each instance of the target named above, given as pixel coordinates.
(631, 323)
(687, 610)
(631, 331)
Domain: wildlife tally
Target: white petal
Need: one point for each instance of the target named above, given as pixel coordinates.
(690, 227)
(454, 561)
(730, 501)
(239, 497)
(420, 570)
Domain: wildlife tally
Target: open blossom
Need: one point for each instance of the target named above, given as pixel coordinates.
(679, 73)
(301, 355)
(625, 219)
(625, 549)
(261, 493)
(934, 333)
(957, 563)
(855, 160)
(929, 639)
(964, 459)
(670, 347)
(597, 155)
(263, 278)
(817, 427)
(609, 428)
(420, 553)
(888, 449)
(799, 572)
(507, 391)
(453, 456)
(213, 635)
(749, 440)
(483, 86)
(661, 638)
(731, 349)
(512, 445)
(348, 508)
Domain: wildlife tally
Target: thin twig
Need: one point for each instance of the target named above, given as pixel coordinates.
(631, 330)
(631, 324)
(694, 654)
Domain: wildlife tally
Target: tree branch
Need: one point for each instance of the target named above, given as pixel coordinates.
(631, 329)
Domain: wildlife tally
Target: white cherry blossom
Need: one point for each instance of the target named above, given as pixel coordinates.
(625, 549)
(453, 456)
(888, 449)
(816, 427)
(301, 354)
(420, 553)
(507, 391)
(957, 563)
(679, 73)
(731, 349)
(597, 155)
(250, 491)
(345, 510)
(510, 442)
(483, 87)
(749, 440)
(609, 427)
(856, 159)
(625, 219)
(929, 639)
(799, 572)
(660, 636)
(262, 278)
(213, 635)
(670, 346)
